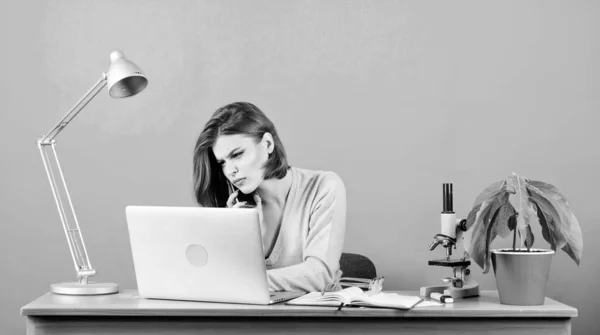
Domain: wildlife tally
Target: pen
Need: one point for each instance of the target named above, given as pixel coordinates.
(327, 288)
(340, 308)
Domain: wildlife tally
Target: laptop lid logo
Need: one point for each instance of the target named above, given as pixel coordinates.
(196, 255)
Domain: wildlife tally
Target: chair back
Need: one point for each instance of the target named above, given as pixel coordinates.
(357, 266)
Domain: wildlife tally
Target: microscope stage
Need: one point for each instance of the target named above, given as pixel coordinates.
(450, 262)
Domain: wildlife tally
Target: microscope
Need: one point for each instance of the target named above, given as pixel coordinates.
(460, 285)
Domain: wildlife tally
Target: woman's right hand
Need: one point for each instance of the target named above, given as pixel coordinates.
(232, 201)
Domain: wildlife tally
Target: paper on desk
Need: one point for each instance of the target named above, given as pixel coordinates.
(428, 303)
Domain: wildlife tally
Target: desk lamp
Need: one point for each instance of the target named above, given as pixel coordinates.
(124, 79)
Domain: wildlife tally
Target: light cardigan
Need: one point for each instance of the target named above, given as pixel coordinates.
(307, 251)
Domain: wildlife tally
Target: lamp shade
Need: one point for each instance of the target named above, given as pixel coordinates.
(124, 78)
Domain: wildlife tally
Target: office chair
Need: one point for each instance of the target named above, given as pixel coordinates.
(357, 266)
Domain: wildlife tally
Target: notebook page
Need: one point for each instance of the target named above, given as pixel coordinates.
(328, 299)
(393, 300)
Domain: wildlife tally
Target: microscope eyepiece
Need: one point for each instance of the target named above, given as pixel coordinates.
(447, 198)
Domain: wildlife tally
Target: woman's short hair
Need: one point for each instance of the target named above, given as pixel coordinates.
(210, 184)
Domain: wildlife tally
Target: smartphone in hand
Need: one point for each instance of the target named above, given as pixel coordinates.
(248, 198)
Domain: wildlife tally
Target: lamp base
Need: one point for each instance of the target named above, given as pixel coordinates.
(76, 288)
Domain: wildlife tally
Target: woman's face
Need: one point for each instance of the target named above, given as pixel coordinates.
(242, 160)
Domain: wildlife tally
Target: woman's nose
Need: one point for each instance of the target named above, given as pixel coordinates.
(231, 170)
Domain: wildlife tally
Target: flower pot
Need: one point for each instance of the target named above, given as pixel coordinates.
(521, 276)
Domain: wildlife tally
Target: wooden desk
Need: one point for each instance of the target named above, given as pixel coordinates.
(127, 313)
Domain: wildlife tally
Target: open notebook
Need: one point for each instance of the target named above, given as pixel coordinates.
(356, 297)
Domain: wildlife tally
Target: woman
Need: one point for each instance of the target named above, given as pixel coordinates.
(239, 161)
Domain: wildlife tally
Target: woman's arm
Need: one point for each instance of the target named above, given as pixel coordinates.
(322, 246)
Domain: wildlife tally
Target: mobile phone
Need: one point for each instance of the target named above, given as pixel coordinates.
(248, 198)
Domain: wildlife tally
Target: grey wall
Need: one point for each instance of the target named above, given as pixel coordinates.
(395, 96)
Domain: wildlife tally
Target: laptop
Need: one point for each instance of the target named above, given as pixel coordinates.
(200, 254)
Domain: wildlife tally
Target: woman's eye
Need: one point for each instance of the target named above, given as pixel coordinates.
(237, 154)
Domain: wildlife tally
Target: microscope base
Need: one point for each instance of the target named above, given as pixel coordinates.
(469, 290)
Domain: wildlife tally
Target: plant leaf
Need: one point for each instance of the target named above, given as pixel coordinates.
(476, 248)
(550, 215)
(546, 233)
(528, 217)
(488, 193)
(528, 237)
(561, 222)
(490, 218)
(512, 225)
(512, 222)
(527, 212)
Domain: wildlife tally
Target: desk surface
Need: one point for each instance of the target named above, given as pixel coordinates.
(128, 302)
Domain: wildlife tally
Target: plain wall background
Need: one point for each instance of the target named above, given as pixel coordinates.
(397, 97)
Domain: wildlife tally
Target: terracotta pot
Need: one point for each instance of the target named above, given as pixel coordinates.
(521, 276)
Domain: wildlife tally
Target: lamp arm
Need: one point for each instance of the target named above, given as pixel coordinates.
(83, 267)
(60, 125)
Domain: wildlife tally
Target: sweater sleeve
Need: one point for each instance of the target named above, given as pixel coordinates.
(322, 247)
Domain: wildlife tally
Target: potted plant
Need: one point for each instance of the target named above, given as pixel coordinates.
(522, 272)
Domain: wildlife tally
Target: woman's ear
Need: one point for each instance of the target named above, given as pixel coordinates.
(267, 141)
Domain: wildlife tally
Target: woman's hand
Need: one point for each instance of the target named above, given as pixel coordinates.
(232, 201)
